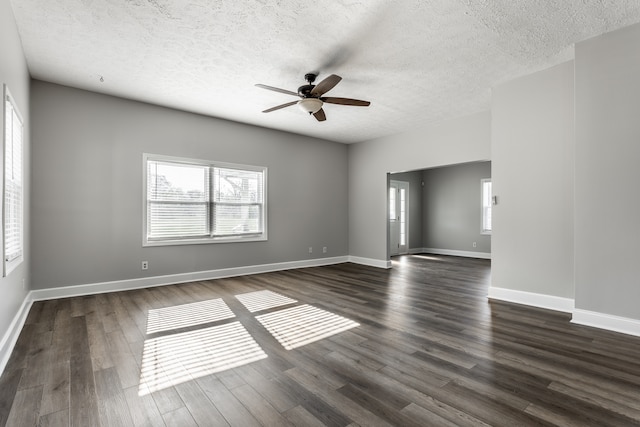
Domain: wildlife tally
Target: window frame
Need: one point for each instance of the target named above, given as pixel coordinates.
(13, 263)
(483, 207)
(210, 238)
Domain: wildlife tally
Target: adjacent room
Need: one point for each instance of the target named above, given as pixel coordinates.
(320, 213)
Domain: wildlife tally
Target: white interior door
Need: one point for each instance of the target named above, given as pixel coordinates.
(398, 217)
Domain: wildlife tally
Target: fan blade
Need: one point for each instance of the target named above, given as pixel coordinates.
(345, 101)
(319, 115)
(277, 107)
(326, 85)
(277, 89)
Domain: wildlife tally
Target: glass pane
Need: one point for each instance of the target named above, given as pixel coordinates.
(392, 203)
(486, 193)
(486, 205)
(239, 186)
(232, 219)
(403, 217)
(178, 182)
(487, 219)
(13, 197)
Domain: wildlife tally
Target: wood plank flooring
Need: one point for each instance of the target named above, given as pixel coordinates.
(429, 349)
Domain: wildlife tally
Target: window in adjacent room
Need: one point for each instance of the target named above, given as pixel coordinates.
(194, 201)
(13, 179)
(486, 206)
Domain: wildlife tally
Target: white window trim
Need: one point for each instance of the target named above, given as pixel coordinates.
(9, 266)
(208, 240)
(482, 229)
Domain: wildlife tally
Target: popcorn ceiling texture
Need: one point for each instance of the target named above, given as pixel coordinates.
(417, 61)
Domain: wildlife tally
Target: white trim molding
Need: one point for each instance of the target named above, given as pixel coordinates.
(172, 279)
(13, 332)
(371, 262)
(606, 321)
(453, 252)
(549, 302)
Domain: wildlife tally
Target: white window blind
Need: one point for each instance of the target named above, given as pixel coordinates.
(486, 206)
(13, 194)
(190, 201)
(178, 200)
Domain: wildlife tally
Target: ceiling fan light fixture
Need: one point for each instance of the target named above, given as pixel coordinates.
(310, 105)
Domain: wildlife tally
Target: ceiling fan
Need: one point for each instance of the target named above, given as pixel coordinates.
(311, 99)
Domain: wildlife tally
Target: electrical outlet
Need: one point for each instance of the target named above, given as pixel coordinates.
(324, 249)
(310, 250)
(474, 244)
(145, 265)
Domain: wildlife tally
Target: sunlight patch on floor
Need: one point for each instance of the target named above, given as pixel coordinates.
(176, 357)
(182, 357)
(301, 325)
(262, 300)
(185, 315)
(429, 257)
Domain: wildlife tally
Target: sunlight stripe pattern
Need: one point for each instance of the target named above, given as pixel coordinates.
(304, 324)
(178, 358)
(263, 300)
(187, 315)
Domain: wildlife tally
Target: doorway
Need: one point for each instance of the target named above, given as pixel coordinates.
(398, 217)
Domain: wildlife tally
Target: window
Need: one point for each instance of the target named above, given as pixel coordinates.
(486, 206)
(13, 197)
(392, 203)
(193, 201)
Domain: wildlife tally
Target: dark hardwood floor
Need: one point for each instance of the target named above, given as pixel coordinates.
(419, 344)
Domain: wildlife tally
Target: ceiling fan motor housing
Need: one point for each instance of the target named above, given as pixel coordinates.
(305, 90)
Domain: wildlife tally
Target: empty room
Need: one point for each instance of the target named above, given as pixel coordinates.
(295, 213)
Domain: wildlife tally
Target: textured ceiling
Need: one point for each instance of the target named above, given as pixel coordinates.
(417, 61)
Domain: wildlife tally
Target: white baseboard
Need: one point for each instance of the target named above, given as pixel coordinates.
(468, 254)
(606, 321)
(371, 262)
(536, 300)
(567, 305)
(148, 282)
(13, 332)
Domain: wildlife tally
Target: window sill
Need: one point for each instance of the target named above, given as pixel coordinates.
(184, 242)
(9, 266)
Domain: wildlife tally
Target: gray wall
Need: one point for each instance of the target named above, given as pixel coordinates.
(451, 205)
(87, 188)
(607, 202)
(414, 179)
(14, 73)
(532, 166)
(462, 140)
